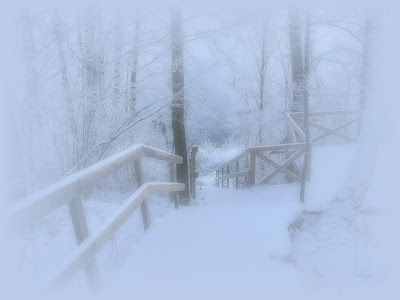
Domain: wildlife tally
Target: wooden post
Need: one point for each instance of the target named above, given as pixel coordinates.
(237, 178)
(193, 173)
(308, 174)
(172, 173)
(247, 181)
(145, 204)
(81, 231)
(227, 180)
(252, 176)
(222, 185)
(217, 178)
(359, 124)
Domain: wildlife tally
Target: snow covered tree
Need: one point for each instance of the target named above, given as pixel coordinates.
(178, 101)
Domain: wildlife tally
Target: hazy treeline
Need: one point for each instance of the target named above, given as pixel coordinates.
(97, 82)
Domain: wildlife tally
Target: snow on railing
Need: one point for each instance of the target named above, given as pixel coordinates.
(69, 190)
(293, 146)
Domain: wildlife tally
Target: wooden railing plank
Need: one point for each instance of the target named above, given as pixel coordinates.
(283, 166)
(296, 127)
(237, 171)
(161, 155)
(97, 240)
(69, 190)
(252, 174)
(144, 206)
(333, 131)
(294, 132)
(236, 158)
(42, 203)
(172, 174)
(276, 166)
(278, 147)
(81, 230)
(328, 113)
(235, 175)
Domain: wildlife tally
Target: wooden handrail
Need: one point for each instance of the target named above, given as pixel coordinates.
(328, 113)
(234, 175)
(291, 167)
(254, 152)
(96, 241)
(236, 158)
(69, 190)
(295, 126)
(45, 201)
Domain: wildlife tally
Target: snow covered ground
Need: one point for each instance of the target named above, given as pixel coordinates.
(236, 244)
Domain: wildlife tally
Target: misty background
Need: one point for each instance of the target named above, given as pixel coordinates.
(80, 83)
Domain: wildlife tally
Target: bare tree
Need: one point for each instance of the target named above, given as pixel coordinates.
(365, 76)
(307, 155)
(296, 59)
(70, 105)
(262, 70)
(133, 90)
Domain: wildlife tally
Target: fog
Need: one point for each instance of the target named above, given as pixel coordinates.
(83, 83)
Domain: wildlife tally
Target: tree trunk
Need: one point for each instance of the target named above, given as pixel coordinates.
(307, 157)
(71, 114)
(132, 105)
(365, 76)
(262, 73)
(117, 76)
(296, 59)
(178, 101)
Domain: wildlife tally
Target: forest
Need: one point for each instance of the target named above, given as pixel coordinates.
(97, 83)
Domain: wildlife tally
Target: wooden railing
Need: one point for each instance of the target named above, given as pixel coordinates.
(244, 164)
(292, 147)
(69, 191)
(296, 133)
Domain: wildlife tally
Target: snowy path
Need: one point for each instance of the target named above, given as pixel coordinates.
(236, 243)
(218, 249)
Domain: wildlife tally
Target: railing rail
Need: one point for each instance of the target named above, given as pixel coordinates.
(69, 191)
(96, 241)
(293, 146)
(232, 168)
(294, 129)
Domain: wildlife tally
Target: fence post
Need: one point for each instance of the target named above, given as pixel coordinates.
(359, 124)
(252, 177)
(81, 231)
(193, 172)
(172, 173)
(145, 204)
(222, 175)
(217, 178)
(227, 180)
(308, 174)
(237, 178)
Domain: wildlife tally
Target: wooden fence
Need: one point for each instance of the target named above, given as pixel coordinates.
(244, 164)
(296, 120)
(69, 191)
(292, 147)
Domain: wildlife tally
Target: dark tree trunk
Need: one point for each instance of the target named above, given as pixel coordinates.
(178, 101)
(296, 59)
